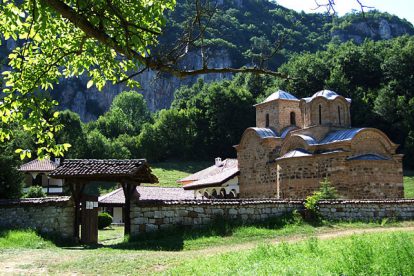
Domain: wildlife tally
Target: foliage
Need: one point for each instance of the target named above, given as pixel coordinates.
(104, 220)
(326, 191)
(377, 76)
(34, 192)
(408, 184)
(127, 114)
(72, 132)
(51, 44)
(11, 180)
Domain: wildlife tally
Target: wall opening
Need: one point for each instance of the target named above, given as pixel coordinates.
(320, 114)
(293, 118)
(267, 120)
(339, 115)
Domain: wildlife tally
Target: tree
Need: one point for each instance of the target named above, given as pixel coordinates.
(73, 132)
(113, 123)
(66, 38)
(134, 107)
(171, 136)
(11, 180)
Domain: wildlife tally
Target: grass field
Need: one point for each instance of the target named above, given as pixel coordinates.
(409, 184)
(230, 252)
(169, 172)
(367, 254)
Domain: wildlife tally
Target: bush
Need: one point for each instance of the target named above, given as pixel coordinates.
(104, 220)
(34, 192)
(326, 191)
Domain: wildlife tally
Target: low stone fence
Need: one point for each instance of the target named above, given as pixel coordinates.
(153, 215)
(367, 210)
(47, 215)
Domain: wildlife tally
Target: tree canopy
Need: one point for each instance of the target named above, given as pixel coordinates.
(55, 39)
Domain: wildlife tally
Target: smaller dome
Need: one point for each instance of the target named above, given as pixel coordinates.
(327, 94)
(330, 95)
(280, 95)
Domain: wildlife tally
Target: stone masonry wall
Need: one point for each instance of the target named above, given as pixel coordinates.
(151, 216)
(43, 214)
(367, 210)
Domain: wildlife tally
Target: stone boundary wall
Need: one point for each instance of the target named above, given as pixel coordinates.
(154, 215)
(367, 210)
(47, 215)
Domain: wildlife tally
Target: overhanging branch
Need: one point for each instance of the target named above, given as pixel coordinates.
(91, 31)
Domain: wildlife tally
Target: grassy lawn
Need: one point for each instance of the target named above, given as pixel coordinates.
(367, 254)
(409, 184)
(24, 252)
(169, 172)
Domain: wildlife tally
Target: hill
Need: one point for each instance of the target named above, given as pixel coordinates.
(238, 31)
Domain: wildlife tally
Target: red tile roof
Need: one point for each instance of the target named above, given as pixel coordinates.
(147, 193)
(213, 180)
(211, 171)
(36, 165)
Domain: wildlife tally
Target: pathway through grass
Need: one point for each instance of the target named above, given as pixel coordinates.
(133, 258)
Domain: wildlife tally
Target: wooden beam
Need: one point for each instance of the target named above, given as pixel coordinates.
(129, 189)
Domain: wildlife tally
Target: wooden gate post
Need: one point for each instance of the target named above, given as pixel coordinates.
(129, 189)
(76, 189)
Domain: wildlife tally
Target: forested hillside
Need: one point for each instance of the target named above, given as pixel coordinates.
(207, 119)
(238, 33)
(208, 115)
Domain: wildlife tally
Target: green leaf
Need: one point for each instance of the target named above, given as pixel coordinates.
(89, 84)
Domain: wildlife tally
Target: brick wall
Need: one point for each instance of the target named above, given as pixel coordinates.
(150, 216)
(43, 214)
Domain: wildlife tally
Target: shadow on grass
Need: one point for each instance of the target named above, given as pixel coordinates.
(174, 239)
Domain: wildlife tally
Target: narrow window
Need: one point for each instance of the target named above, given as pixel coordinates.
(293, 118)
(267, 120)
(339, 115)
(320, 114)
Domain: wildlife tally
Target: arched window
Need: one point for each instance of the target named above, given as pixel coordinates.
(267, 120)
(320, 114)
(293, 118)
(339, 115)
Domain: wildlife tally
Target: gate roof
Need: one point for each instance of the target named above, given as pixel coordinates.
(133, 170)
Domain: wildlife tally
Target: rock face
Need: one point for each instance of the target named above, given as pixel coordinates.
(380, 30)
(158, 89)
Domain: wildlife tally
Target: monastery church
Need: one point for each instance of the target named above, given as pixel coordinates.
(298, 142)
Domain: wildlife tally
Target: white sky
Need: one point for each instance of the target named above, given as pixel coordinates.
(401, 8)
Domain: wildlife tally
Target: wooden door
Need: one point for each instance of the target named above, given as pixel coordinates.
(89, 222)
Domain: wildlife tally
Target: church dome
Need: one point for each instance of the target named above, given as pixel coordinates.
(280, 95)
(327, 94)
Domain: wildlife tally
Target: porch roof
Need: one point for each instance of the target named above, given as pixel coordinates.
(133, 170)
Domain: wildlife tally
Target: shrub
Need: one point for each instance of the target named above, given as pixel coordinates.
(104, 220)
(326, 191)
(34, 192)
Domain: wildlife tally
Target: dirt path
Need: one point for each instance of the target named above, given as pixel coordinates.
(41, 261)
(298, 238)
